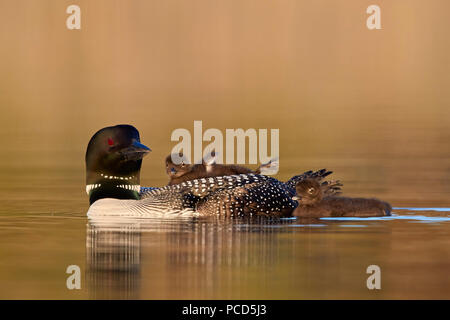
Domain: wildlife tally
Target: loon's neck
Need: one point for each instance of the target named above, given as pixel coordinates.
(109, 186)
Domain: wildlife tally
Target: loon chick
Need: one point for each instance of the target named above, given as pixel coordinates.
(184, 171)
(113, 161)
(315, 201)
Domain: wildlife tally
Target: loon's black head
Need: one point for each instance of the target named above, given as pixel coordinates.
(113, 163)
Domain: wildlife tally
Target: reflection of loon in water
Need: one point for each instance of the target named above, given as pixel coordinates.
(198, 254)
(113, 261)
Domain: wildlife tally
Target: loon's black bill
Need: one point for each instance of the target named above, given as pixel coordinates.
(136, 151)
(139, 145)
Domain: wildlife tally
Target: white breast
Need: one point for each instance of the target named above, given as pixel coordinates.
(134, 208)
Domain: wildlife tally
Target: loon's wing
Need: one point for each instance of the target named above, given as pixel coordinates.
(236, 195)
(187, 195)
(268, 197)
(265, 197)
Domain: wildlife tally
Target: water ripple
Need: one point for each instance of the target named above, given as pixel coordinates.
(414, 217)
(423, 209)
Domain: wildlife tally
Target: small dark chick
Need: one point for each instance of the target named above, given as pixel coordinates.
(182, 172)
(314, 201)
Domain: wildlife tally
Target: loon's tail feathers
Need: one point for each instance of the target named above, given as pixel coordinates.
(331, 187)
(270, 168)
(317, 175)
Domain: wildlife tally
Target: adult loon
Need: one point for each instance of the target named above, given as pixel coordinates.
(315, 200)
(113, 162)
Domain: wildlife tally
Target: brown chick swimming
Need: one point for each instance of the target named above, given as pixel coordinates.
(314, 201)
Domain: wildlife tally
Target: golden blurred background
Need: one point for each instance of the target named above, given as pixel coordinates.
(373, 105)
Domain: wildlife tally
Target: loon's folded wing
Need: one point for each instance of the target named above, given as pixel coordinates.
(236, 195)
(267, 197)
(205, 195)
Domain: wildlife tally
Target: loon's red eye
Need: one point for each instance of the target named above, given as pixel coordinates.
(110, 141)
